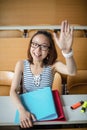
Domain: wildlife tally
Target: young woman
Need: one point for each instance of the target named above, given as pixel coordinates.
(38, 70)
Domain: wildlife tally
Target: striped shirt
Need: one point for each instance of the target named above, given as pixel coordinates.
(46, 78)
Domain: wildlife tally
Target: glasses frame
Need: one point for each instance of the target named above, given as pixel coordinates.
(42, 47)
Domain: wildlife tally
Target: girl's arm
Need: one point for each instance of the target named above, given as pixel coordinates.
(65, 42)
(26, 118)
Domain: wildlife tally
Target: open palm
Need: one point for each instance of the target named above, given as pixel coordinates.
(66, 37)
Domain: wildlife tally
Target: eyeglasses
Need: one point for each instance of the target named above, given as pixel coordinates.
(42, 47)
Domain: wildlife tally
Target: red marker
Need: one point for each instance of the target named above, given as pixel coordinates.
(76, 105)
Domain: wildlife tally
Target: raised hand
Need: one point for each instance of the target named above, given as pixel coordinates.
(65, 40)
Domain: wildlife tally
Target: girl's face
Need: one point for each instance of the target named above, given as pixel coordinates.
(39, 47)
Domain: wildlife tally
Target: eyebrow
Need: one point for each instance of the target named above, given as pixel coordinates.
(41, 44)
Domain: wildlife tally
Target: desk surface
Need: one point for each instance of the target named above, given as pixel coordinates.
(7, 111)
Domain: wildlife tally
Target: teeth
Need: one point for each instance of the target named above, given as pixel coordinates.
(37, 55)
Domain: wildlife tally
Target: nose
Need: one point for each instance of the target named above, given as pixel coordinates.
(38, 48)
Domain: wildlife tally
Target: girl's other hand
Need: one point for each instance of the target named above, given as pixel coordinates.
(26, 119)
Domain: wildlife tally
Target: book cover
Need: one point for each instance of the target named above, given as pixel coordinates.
(59, 107)
(39, 102)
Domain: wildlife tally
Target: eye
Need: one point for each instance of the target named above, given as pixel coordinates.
(34, 44)
(44, 46)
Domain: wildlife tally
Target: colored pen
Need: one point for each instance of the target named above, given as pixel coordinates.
(76, 105)
(84, 106)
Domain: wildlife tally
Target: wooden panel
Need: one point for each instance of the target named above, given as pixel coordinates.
(30, 12)
(74, 11)
(80, 52)
(12, 50)
(27, 12)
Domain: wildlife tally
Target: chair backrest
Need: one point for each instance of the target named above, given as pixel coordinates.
(11, 34)
(77, 84)
(57, 83)
(5, 82)
(79, 33)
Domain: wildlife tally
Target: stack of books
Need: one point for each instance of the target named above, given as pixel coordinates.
(44, 103)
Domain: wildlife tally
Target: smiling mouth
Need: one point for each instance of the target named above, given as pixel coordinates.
(37, 55)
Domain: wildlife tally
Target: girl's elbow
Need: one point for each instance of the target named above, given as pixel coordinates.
(73, 73)
(12, 91)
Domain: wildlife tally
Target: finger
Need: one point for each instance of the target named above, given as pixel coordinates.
(33, 117)
(66, 26)
(71, 30)
(55, 36)
(62, 26)
(23, 124)
(29, 123)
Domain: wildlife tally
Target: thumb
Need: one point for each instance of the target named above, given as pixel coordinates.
(33, 117)
(56, 38)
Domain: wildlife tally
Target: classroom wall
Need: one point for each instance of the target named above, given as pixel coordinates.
(12, 50)
(33, 12)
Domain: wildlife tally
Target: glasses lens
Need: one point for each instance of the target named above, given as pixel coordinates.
(42, 47)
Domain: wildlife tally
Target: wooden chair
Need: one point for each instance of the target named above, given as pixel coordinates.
(57, 83)
(79, 33)
(5, 82)
(77, 84)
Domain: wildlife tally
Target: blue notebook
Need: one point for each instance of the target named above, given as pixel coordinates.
(39, 102)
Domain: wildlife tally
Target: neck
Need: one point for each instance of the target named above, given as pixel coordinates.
(37, 68)
(37, 64)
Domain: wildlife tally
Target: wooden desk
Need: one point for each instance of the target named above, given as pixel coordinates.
(74, 117)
